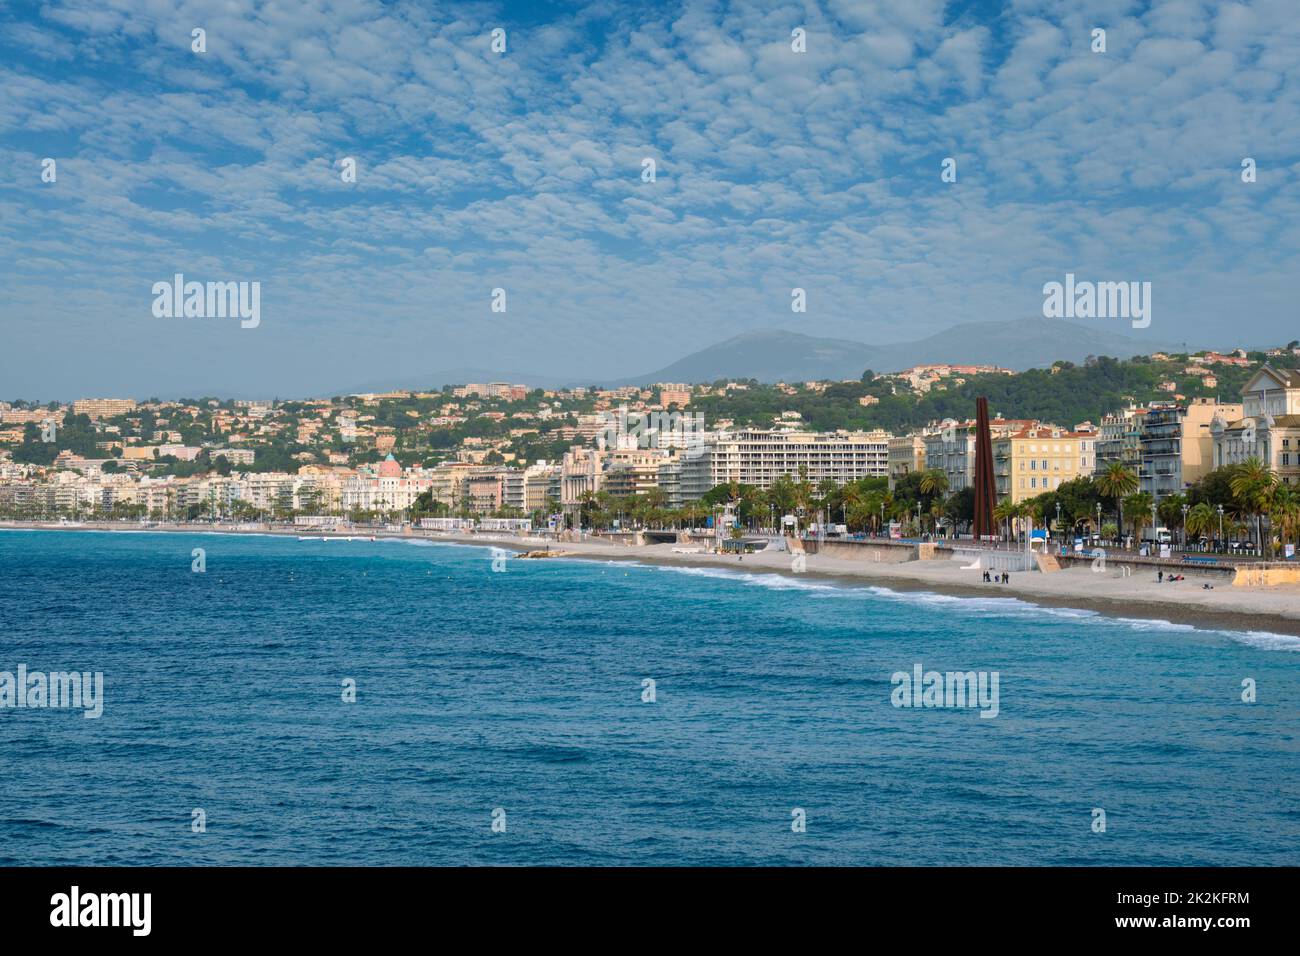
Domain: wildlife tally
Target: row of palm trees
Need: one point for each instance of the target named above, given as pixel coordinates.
(1256, 495)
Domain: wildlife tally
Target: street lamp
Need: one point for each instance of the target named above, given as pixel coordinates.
(1058, 515)
(1186, 507)
(1098, 528)
(1221, 543)
(1154, 536)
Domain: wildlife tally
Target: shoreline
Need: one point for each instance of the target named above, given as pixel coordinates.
(1225, 608)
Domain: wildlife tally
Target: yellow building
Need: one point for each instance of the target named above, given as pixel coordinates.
(906, 455)
(1039, 458)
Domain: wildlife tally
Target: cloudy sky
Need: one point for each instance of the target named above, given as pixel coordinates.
(522, 170)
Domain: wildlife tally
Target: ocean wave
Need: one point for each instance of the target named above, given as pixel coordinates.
(775, 582)
(1155, 624)
(1266, 640)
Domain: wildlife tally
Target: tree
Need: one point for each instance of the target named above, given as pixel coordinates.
(1139, 508)
(1252, 486)
(1170, 511)
(1201, 520)
(933, 482)
(1284, 511)
(1004, 512)
(1116, 483)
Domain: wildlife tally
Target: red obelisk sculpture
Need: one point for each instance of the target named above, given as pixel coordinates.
(986, 494)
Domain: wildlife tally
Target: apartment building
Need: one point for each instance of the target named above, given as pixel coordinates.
(1119, 440)
(632, 472)
(950, 447)
(541, 486)
(670, 482)
(1039, 458)
(760, 456)
(486, 491)
(674, 394)
(906, 455)
(1177, 445)
(97, 408)
(1269, 427)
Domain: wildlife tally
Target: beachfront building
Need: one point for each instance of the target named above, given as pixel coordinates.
(485, 492)
(384, 488)
(700, 471)
(950, 447)
(1268, 428)
(582, 474)
(541, 486)
(670, 481)
(1119, 440)
(906, 455)
(760, 456)
(632, 471)
(1039, 458)
(1177, 445)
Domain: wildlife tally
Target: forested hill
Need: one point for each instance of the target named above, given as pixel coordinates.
(1065, 394)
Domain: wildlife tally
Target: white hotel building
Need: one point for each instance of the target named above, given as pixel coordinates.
(760, 456)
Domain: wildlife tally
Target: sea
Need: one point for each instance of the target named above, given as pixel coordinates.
(272, 701)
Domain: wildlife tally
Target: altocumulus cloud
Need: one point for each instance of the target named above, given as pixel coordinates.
(523, 171)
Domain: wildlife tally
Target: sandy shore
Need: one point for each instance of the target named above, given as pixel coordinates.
(1275, 609)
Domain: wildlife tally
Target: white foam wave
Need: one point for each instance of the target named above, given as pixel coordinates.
(1267, 641)
(776, 582)
(1155, 624)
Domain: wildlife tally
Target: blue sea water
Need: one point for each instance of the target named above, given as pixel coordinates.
(522, 691)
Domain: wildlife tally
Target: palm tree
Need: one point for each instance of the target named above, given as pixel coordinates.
(1284, 511)
(1139, 506)
(933, 482)
(1170, 510)
(1117, 482)
(1200, 520)
(1252, 486)
(1004, 512)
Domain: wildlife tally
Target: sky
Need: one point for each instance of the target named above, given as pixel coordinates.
(523, 171)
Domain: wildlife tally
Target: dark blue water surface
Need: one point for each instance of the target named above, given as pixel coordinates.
(522, 691)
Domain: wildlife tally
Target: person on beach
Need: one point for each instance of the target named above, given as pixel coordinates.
(1160, 577)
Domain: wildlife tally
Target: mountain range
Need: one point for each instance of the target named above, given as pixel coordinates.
(778, 355)
(771, 355)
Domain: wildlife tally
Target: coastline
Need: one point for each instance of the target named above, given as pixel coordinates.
(1225, 608)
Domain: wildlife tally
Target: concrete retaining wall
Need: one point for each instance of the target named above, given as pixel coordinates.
(877, 552)
(1266, 576)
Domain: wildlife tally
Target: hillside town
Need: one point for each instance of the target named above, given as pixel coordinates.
(508, 455)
